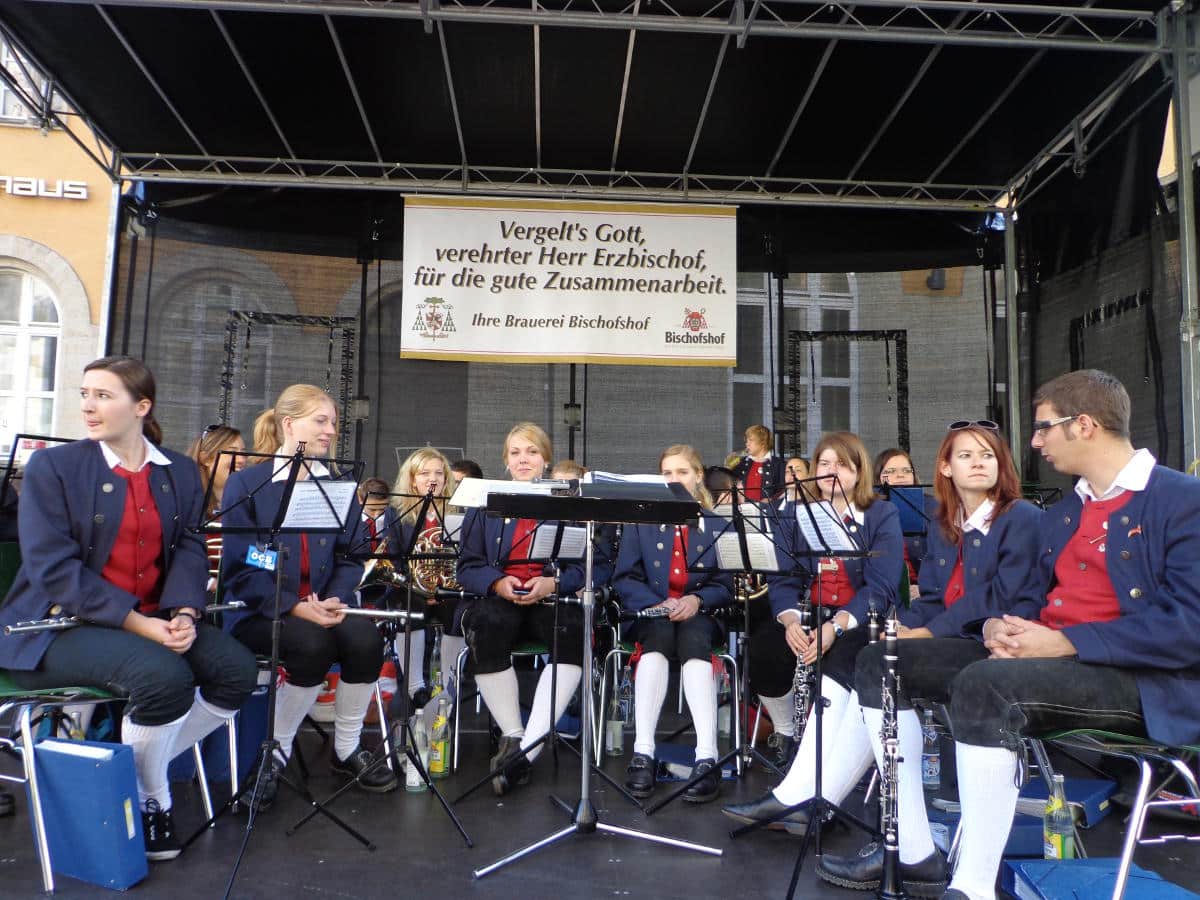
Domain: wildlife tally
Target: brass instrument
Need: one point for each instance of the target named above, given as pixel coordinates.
(380, 570)
(432, 566)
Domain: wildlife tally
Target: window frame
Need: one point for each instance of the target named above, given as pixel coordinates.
(25, 330)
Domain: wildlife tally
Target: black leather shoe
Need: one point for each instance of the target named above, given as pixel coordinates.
(268, 789)
(863, 871)
(361, 765)
(511, 766)
(158, 832)
(7, 805)
(639, 777)
(707, 788)
(784, 747)
(764, 808)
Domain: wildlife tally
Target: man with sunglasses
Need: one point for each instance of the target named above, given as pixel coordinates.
(1110, 638)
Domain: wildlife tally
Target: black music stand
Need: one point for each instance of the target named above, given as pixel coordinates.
(632, 503)
(389, 623)
(825, 530)
(294, 464)
(743, 530)
(9, 494)
(552, 560)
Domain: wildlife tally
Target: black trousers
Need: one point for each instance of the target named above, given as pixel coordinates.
(494, 627)
(773, 664)
(997, 702)
(692, 638)
(308, 650)
(159, 683)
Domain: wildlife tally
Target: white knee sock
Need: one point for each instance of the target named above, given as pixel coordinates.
(499, 692)
(781, 711)
(201, 721)
(798, 785)
(152, 746)
(452, 645)
(349, 707)
(413, 666)
(849, 757)
(649, 692)
(916, 841)
(700, 691)
(292, 704)
(540, 718)
(987, 787)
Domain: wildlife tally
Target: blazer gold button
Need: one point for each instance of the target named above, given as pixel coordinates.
(107, 487)
(662, 527)
(1135, 593)
(976, 542)
(1124, 520)
(55, 610)
(98, 518)
(1066, 520)
(1125, 554)
(660, 546)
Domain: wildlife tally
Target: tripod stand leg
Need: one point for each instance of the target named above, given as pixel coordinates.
(659, 839)
(525, 851)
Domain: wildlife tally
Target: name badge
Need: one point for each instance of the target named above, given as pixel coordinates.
(262, 559)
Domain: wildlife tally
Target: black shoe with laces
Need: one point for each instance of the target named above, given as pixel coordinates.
(158, 832)
(362, 766)
(639, 777)
(707, 788)
(784, 749)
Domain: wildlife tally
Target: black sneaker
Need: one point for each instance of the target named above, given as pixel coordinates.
(362, 766)
(268, 788)
(158, 831)
(639, 777)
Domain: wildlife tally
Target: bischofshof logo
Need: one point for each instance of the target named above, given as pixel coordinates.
(434, 319)
(693, 320)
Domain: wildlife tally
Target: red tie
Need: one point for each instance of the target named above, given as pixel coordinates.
(373, 533)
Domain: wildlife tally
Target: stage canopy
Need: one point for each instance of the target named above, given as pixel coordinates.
(872, 135)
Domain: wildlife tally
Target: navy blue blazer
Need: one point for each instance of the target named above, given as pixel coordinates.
(772, 474)
(486, 542)
(71, 509)
(999, 568)
(644, 566)
(331, 573)
(1153, 557)
(876, 578)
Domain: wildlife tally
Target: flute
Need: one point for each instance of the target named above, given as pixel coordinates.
(57, 623)
(392, 614)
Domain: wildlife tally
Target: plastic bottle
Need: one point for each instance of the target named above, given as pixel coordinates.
(1058, 829)
(931, 754)
(413, 782)
(614, 730)
(625, 692)
(435, 663)
(439, 741)
(724, 706)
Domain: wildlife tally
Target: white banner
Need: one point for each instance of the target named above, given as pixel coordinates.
(533, 281)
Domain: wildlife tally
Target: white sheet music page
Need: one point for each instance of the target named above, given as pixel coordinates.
(760, 548)
(572, 547)
(309, 507)
(473, 492)
(824, 529)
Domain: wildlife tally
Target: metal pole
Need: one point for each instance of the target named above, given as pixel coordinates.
(1011, 321)
(1189, 325)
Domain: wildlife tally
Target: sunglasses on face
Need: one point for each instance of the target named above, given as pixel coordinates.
(978, 423)
(1041, 426)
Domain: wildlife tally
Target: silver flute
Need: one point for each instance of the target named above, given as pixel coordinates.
(802, 681)
(397, 614)
(62, 623)
(890, 886)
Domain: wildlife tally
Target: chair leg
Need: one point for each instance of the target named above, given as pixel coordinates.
(735, 700)
(231, 733)
(599, 725)
(384, 726)
(202, 777)
(757, 721)
(35, 799)
(459, 667)
(1137, 818)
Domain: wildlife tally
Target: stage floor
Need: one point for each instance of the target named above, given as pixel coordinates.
(420, 854)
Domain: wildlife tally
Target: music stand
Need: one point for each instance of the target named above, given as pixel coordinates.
(640, 503)
(909, 500)
(313, 511)
(819, 527)
(744, 546)
(390, 621)
(9, 495)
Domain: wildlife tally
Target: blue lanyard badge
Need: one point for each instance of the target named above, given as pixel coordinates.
(261, 559)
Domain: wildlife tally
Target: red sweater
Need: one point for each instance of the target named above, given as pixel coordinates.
(135, 564)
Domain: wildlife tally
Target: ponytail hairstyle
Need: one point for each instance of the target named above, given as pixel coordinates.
(1004, 493)
(138, 380)
(689, 453)
(295, 402)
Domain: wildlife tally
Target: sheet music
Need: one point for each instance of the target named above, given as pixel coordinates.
(473, 492)
(828, 532)
(452, 524)
(309, 509)
(760, 548)
(612, 477)
(573, 545)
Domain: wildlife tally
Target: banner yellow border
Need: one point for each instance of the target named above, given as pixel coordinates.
(586, 359)
(598, 206)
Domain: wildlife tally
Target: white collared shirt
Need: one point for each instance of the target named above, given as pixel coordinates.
(316, 469)
(153, 455)
(980, 520)
(1133, 477)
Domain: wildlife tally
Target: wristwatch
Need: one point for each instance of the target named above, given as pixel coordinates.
(838, 630)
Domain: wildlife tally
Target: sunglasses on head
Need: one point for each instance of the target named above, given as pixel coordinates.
(978, 423)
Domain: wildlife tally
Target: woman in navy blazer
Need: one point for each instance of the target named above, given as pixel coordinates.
(319, 581)
(847, 589)
(105, 537)
(655, 569)
(506, 608)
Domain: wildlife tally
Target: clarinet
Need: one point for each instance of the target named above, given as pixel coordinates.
(802, 681)
(890, 886)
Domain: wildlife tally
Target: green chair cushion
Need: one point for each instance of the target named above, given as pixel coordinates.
(10, 690)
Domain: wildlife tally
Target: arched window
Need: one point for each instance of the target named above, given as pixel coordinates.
(29, 335)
